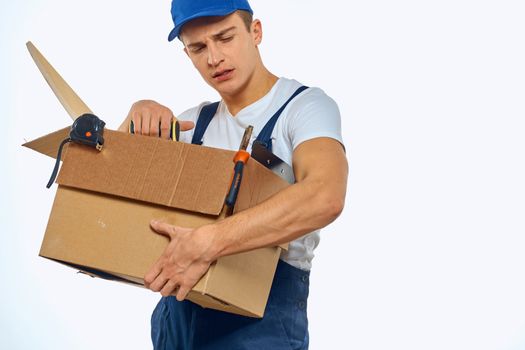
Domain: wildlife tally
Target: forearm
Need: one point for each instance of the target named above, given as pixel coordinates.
(288, 215)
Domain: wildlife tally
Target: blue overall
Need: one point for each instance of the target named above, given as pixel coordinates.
(187, 326)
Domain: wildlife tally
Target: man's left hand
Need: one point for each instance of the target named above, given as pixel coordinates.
(183, 262)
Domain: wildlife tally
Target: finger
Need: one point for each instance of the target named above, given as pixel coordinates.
(168, 229)
(158, 283)
(163, 228)
(182, 293)
(186, 125)
(165, 124)
(124, 127)
(146, 122)
(152, 274)
(137, 123)
(168, 288)
(154, 124)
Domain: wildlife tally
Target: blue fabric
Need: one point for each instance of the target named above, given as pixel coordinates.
(204, 119)
(187, 326)
(183, 11)
(265, 136)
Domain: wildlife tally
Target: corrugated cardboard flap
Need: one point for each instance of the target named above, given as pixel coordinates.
(153, 170)
(49, 143)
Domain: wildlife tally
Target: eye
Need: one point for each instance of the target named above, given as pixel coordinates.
(197, 49)
(227, 39)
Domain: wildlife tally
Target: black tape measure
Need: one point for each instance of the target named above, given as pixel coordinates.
(86, 130)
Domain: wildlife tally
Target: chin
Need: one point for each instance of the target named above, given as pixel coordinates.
(226, 88)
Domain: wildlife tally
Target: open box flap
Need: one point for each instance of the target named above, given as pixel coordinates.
(49, 143)
(151, 169)
(173, 174)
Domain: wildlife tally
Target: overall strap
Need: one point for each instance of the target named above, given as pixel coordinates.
(204, 119)
(265, 136)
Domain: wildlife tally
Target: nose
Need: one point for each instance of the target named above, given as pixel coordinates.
(215, 56)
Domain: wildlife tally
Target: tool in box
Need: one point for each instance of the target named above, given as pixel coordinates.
(174, 129)
(240, 159)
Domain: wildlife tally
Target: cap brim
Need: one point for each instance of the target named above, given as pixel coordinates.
(175, 32)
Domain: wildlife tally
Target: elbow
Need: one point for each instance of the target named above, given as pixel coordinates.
(332, 208)
(335, 208)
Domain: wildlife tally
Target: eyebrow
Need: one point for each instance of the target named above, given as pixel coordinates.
(214, 36)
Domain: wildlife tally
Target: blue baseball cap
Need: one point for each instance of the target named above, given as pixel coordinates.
(183, 11)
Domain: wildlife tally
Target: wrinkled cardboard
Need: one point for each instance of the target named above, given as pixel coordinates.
(100, 217)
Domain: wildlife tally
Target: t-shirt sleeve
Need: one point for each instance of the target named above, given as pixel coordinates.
(314, 114)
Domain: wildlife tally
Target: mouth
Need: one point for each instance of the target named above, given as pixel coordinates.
(222, 74)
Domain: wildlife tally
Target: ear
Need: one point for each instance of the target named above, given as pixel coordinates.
(257, 31)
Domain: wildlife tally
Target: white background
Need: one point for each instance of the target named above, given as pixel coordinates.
(429, 252)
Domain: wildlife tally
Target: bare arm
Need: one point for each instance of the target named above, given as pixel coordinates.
(315, 200)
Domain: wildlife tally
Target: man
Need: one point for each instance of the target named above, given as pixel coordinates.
(221, 39)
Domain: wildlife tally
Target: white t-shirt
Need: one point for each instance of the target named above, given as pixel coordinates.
(309, 115)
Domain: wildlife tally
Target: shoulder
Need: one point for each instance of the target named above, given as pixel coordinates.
(312, 114)
(312, 98)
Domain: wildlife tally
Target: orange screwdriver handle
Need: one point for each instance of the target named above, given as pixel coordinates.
(241, 156)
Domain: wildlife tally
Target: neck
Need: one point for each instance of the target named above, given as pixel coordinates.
(259, 84)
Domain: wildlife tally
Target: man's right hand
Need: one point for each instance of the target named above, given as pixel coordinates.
(149, 117)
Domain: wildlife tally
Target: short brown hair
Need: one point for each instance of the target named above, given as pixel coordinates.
(247, 18)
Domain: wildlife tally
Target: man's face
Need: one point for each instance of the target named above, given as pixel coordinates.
(223, 51)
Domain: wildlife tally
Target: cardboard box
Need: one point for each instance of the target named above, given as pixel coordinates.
(100, 217)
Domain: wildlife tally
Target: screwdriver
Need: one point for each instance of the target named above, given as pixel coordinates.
(240, 159)
(174, 129)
